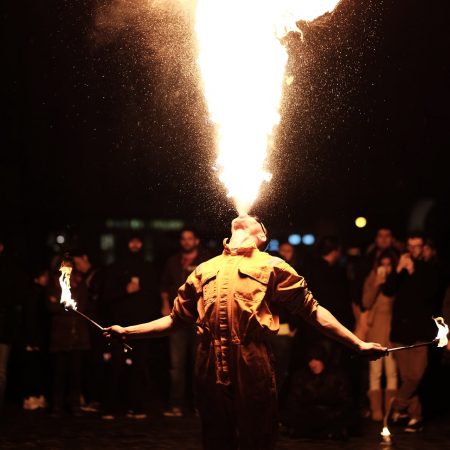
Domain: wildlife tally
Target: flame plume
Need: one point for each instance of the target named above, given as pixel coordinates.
(243, 62)
(442, 335)
(64, 281)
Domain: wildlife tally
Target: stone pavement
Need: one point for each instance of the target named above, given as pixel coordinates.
(36, 430)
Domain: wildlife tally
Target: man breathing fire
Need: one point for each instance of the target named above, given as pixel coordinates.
(235, 299)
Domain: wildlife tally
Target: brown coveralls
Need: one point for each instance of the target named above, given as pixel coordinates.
(233, 298)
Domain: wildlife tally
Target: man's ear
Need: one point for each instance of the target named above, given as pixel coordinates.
(262, 237)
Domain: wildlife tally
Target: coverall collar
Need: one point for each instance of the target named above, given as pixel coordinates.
(244, 250)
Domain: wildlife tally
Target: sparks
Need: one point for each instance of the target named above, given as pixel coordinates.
(64, 281)
(242, 62)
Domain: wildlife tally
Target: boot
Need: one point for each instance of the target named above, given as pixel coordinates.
(375, 398)
(389, 396)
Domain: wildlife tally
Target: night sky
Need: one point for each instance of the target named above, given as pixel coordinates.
(103, 117)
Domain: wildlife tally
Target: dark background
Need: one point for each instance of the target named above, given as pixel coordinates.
(103, 118)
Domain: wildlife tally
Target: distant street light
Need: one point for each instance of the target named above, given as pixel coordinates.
(360, 222)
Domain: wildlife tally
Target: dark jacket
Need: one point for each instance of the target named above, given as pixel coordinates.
(414, 303)
(36, 318)
(175, 274)
(11, 297)
(331, 288)
(129, 309)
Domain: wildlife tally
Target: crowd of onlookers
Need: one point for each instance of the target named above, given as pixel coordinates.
(387, 294)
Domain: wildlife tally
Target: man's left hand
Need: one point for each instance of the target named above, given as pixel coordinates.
(372, 350)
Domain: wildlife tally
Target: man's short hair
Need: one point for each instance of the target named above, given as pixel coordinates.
(416, 235)
(189, 229)
(328, 244)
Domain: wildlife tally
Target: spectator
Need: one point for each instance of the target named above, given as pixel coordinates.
(414, 285)
(288, 253)
(182, 342)
(429, 251)
(69, 337)
(328, 280)
(379, 316)
(130, 295)
(384, 241)
(319, 401)
(35, 331)
(10, 299)
(92, 360)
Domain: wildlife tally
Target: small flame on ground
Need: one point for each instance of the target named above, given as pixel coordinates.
(64, 281)
(243, 62)
(442, 331)
(385, 432)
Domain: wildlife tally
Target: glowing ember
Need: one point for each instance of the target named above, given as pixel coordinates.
(243, 66)
(64, 281)
(442, 331)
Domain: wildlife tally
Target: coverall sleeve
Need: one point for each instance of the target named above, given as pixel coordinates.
(185, 304)
(291, 291)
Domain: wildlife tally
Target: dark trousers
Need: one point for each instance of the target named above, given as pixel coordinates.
(93, 368)
(182, 344)
(66, 379)
(126, 374)
(5, 350)
(411, 365)
(33, 376)
(281, 349)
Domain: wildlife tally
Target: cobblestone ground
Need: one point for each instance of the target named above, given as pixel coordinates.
(36, 430)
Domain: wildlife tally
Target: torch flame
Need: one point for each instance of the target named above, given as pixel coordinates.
(243, 66)
(64, 281)
(442, 335)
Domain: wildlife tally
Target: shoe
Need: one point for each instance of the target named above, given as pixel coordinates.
(173, 412)
(90, 407)
(414, 425)
(137, 416)
(41, 401)
(31, 404)
(399, 418)
(108, 417)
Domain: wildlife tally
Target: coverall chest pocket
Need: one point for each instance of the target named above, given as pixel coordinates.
(209, 287)
(252, 283)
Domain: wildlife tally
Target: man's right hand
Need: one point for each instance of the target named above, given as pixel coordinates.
(115, 331)
(133, 287)
(405, 262)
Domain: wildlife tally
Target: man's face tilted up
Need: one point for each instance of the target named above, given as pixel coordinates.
(247, 229)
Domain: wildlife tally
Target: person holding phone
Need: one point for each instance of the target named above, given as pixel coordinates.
(415, 286)
(379, 316)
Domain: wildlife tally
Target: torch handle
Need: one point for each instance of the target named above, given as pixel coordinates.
(126, 347)
(407, 347)
(93, 322)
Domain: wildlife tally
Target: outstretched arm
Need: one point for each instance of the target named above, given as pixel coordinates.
(155, 328)
(291, 291)
(322, 319)
(184, 312)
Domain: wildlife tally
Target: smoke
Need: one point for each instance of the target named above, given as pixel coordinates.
(159, 34)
